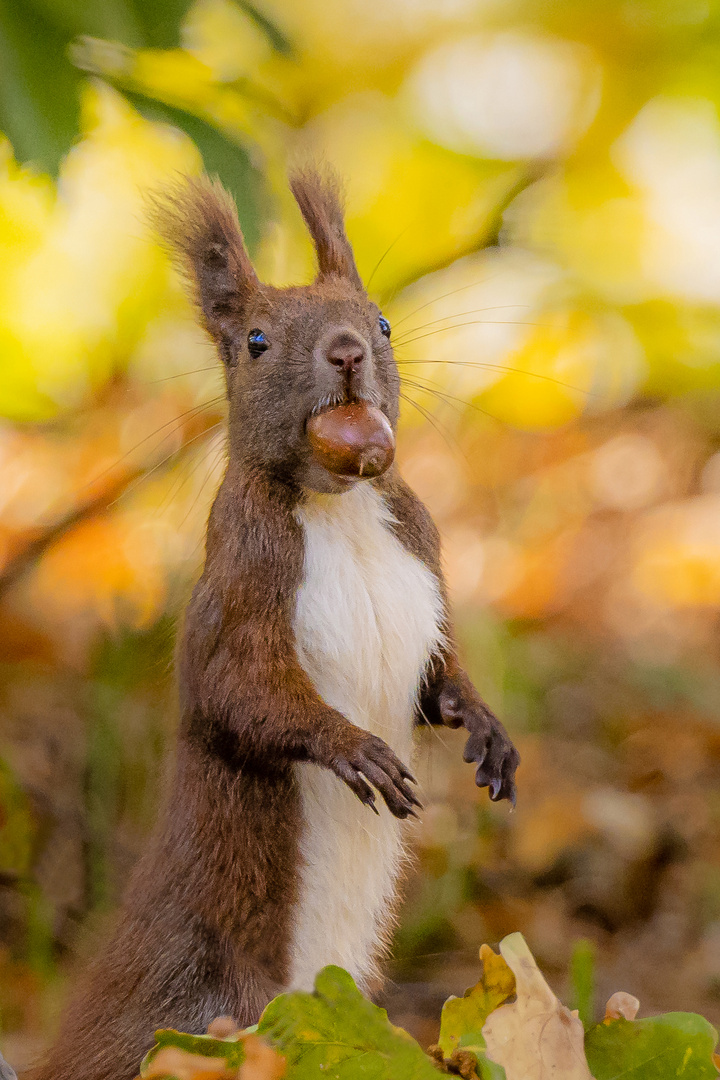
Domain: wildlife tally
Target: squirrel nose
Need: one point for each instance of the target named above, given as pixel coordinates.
(346, 352)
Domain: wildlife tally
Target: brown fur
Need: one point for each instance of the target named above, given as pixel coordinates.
(206, 923)
(320, 204)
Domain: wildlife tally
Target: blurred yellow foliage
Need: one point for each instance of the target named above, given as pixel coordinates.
(78, 292)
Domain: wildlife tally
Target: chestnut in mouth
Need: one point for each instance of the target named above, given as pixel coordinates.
(354, 439)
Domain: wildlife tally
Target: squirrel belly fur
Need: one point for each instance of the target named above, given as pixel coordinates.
(368, 621)
(317, 636)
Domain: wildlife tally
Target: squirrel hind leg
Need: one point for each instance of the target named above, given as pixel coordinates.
(112, 1047)
(110, 1024)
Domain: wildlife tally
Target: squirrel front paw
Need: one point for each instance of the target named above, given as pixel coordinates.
(361, 757)
(488, 745)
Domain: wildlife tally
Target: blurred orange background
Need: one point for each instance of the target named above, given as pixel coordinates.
(533, 192)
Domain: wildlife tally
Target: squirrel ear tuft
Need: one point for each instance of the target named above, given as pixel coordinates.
(197, 221)
(318, 194)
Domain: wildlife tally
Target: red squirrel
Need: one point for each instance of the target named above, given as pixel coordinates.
(316, 638)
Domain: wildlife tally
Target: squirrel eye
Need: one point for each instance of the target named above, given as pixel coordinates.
(384, 326)
(257, 343)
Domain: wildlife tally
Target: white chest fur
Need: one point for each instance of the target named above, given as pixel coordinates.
(367, 620)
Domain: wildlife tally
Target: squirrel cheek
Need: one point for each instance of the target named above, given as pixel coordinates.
(352, 440)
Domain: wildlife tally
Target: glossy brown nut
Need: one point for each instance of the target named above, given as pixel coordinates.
(352, 440)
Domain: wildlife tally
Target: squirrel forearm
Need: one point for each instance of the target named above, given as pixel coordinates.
(242, 684)
(249, 702)
(259, 710)
(267, 723)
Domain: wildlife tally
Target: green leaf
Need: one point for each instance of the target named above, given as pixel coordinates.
(338, 1034)
(232, 1050)
(582, 978)
(656, 1048)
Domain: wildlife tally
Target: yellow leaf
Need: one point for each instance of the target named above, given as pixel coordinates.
(174, 75)
(463, 1017)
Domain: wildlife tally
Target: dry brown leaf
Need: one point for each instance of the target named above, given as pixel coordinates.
(535, 1038)
(172, 1061)
(621, 1006)
(222, 1027)
(261, 1061)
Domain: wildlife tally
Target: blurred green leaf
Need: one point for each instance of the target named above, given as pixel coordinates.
(16, 825)
(102, 786)
(39, 947)
(221, 157)
(39, 86)
(657, 1048)
(277, 38)
(21, 399)
(39, 100)
(160, 22)
(115, 19)
(582, 977)
(336, 1032)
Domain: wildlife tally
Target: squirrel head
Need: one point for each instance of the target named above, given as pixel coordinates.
(290, 355)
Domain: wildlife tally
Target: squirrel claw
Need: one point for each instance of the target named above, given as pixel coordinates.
(488, 745)
(371, 761)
